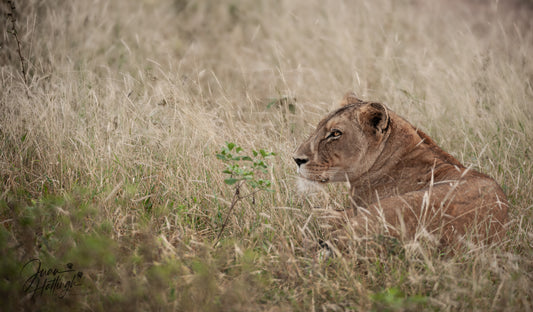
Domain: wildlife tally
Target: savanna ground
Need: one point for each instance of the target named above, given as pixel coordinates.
(111, 122)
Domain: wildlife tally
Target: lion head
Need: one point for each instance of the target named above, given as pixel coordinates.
(346, 143)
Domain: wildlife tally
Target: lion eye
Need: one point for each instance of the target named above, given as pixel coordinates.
(334, 134)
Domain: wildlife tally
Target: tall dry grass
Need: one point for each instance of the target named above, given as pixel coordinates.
(108, 148)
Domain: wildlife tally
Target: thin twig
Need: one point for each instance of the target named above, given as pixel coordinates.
(11, 16)
(236, 198)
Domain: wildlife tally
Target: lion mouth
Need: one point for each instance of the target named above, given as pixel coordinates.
(312, 177)
(318, 179)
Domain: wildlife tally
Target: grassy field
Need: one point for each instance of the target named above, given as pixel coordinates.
(111, 123)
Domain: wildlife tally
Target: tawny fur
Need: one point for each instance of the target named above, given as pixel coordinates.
(399, 178)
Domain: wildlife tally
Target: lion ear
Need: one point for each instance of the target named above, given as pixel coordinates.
(374, 117)
(350, 98)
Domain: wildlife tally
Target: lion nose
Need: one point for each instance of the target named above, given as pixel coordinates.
(300, 160)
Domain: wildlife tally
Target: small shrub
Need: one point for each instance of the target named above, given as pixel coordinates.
(243, 169)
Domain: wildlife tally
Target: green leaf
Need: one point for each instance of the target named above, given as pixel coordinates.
(248, 158)
(272, 102)
(260, 163)
(230, 145)
(231, 181)
(292, 108)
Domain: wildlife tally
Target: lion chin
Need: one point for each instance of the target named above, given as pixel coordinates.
(305, 186)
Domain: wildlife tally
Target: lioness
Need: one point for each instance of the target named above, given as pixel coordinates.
(400, 180)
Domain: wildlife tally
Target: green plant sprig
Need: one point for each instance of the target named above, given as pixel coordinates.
(242, 169)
